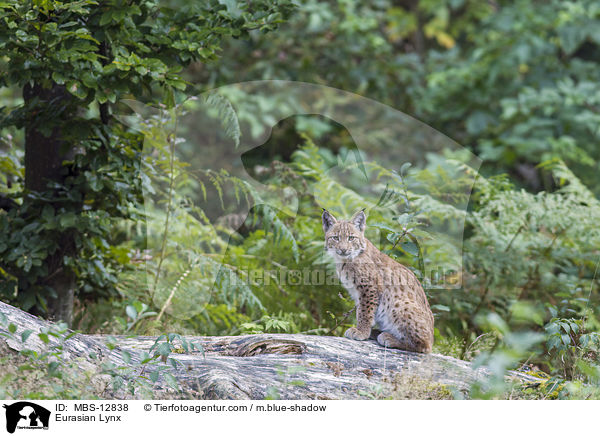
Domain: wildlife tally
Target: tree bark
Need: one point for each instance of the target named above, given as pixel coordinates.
(43, 164)
(419, 38)
(284, 366)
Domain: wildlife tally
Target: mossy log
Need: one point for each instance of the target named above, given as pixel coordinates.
(285, 366)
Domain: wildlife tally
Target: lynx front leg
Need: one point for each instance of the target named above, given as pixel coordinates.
(365, 316)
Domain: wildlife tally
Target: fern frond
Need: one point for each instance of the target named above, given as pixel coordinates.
(271, 220)
(224, 112)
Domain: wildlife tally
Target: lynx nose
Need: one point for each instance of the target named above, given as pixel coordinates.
(343, 252)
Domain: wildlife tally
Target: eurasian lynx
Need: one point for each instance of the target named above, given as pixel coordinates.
(384, 291)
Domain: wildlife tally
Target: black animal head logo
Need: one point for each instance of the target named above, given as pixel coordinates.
(26, 414)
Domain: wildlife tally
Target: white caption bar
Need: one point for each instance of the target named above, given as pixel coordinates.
(292, 417)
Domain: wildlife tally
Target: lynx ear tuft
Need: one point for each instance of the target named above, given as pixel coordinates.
(328, 220)
(359, 220)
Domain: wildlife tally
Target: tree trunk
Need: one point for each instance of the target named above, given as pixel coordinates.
(285, 366)
(43, 164)
(419, 37)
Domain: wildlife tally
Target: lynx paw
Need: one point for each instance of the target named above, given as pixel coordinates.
(356, 334)
(388, 340)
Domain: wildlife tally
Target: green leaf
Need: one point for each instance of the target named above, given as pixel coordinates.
(154, 376)
(47, 212)
(126, 356)
(410, 247)
(440, 308)
(67, 220)
(164, 349)
(171, 381)
(404, 168)
(52, 367)
(25, 335)
(106, 18)
(77, 89)
(131, 312)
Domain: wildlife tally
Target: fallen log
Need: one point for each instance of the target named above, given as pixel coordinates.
(283, 366)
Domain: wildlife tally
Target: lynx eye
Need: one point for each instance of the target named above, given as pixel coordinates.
(335, 238)
(351, 238)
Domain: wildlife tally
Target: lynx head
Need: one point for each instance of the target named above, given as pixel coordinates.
(344, 240)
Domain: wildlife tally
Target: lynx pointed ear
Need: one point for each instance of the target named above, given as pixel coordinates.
(359, 220)
(328, 220)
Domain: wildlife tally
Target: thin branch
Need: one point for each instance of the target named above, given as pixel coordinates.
(171, 139)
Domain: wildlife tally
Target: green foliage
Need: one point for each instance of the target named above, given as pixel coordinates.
(99, 52)
(136, 312)
(284, 323)
(516, 82)
(53, 373)
(123, 48)
(524, 89)
(371, 48)
(529, 274)
(274, 277)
